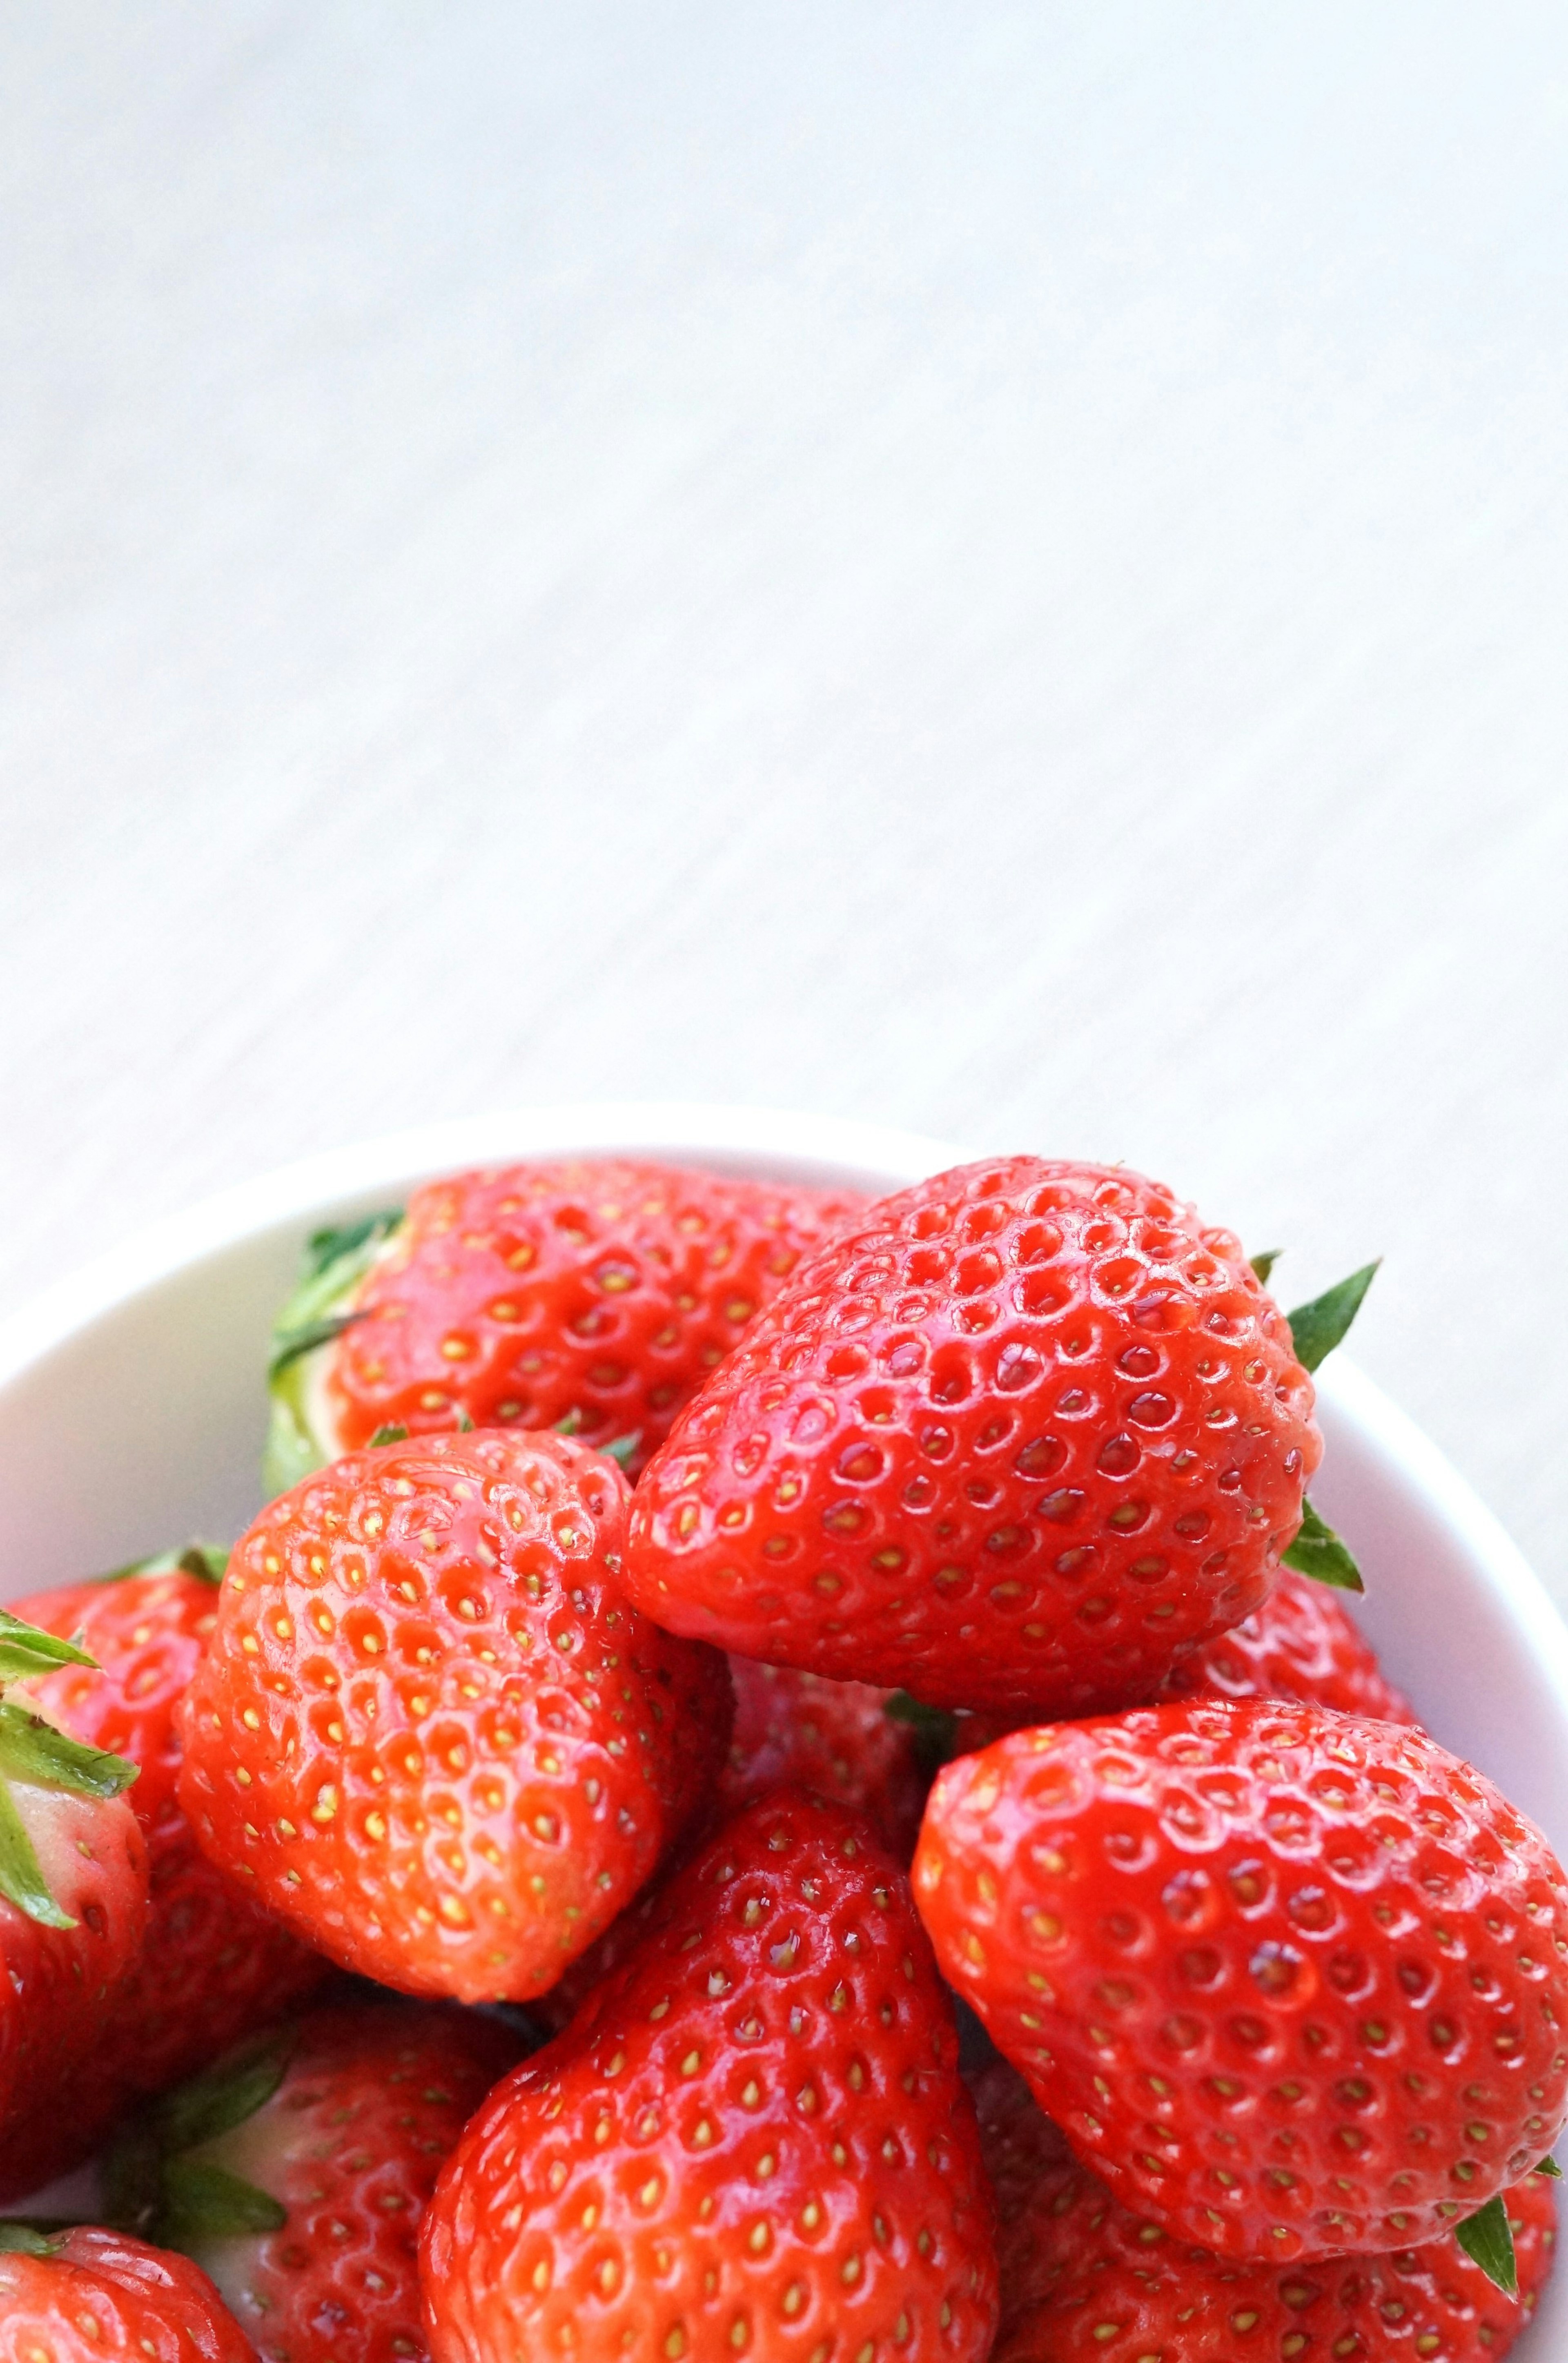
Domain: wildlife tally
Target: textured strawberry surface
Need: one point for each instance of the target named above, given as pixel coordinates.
(350, 2144)
(1294, 1984)
(754, 2141)
(102, 2296)
(1080, 2276)
(1021, 1437)
(214, 1966)
(603, 1291)
(835, 1737)
(431, 1729)
(1301, 1643)
(60, 1987)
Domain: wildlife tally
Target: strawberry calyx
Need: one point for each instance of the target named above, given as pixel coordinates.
(1488, 2240)
(936, 1730)
(1316, 1328)
(36, 1752)
(28, 2240)
(205, 1561)
(334, 1262)
(158, 2183)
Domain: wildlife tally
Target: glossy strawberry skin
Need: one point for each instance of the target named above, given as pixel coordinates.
(1294, 1984)
(372, 2101)
(1081, 2277)
(753, 2141)
(430, 1728)
(60, 1987)
(1023, 1436)
(1301, 1643)
(598, 1291)
(213, 1965)
(836, 1738)
(102, 2296)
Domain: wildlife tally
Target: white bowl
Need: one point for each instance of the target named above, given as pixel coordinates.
(133, 1407)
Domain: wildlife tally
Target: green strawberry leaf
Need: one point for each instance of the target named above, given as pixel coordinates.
(1264, 1264)
(1486, 2238)
(25, 1652)
(225, 2096)
(391, 1434)
(289, 1345)
(1319, 1552)
(620, 1449)
(465, 1424)
(32, 1750)
(291, 1451)
(24, 2240)
(935, 1729)
(1550, 2168)
(570, 1424)
(205, 1561)
(1317, 1328)
(203, 2202)
(323, 1248)
(21, 1877)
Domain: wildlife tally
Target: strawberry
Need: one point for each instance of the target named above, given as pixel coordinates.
(213, 1965)
(1299, 1645)
(72, 1912)
(837, 1739)
(753, 2142)
(1021, 1437)
(92, 2296)
(598, 1292)
(1081, 2277)
(1294, 1983)
(295, 2173)
(430, 1731)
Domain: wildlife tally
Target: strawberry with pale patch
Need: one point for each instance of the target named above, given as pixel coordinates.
(430, 1731)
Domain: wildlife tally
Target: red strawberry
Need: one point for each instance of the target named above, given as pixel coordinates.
(1023, 1436)
(1080, 2277)
(88, 2296)
(753, 2142)
(429, 1727)
(837, 1739)
(213, 1967)
(296, 2173)
(72, 1912)
(1299, 1645)
(1294, 1983)
(599, 1292)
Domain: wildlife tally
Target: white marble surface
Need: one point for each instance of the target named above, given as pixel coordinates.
(996, 568)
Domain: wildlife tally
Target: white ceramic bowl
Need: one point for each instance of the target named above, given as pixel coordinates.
(132, 1411)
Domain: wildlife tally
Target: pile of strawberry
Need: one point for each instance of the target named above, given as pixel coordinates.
(476, 1920)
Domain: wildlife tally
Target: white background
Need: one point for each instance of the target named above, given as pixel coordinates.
(993, 569)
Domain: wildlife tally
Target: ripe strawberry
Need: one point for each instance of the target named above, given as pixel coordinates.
(213, 1965)
(89, 2296)
(72, 1910)
(753, 2142)
(295, 2173)
(1023, 1436)
(598, 1292)
(1080, 2277)
(1299, 1645)
(837, 1739)
(1294, 1983)
(429, 1727)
